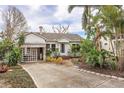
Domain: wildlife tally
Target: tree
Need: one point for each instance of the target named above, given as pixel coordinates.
(6, 46)
(113, 19)
(14, 23)
(60, 29)
(105, 21)
(89, 22)
(86, 12)
(21, 39)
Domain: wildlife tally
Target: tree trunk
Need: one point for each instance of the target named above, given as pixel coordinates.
(112, 47)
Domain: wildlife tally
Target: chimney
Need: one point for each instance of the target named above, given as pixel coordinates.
(41, 29)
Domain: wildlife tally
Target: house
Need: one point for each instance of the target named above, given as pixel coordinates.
(111, 45)
(36, 44)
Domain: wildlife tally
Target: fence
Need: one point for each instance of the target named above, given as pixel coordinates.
(120, 53)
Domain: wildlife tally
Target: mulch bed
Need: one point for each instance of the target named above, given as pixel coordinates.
(102, 71)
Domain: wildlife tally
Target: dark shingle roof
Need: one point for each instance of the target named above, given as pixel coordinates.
(58, 36)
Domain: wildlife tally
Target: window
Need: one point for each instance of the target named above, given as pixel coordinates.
(47, 46)
(28, 50)
(75, 47)
(105, 43)
(62, 48)
(53, 47)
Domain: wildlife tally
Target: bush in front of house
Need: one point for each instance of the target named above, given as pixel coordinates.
(13, 57)
(48, 59)
(6, 45)
(97, 58)
(58, 60)
(48, 52)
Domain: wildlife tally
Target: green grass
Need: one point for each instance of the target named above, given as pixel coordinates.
(18, 78)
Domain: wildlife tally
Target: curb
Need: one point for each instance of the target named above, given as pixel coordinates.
(30, 76)
(99, 74)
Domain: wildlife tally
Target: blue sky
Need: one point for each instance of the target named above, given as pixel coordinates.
(49, 15)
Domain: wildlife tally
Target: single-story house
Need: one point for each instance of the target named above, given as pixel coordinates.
(36, 44)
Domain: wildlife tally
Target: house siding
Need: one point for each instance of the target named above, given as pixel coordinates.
(36, 41)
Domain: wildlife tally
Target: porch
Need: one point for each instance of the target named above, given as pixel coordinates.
(33, 53)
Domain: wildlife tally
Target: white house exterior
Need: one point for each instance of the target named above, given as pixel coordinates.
(106, 44)
(36, 44)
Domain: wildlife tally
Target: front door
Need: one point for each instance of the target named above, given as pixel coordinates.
(40, 53)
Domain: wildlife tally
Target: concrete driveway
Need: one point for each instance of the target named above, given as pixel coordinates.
(58, 76)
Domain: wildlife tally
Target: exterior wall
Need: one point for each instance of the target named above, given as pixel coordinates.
(67, 46)
(108, 47)
(33, 39)
(33, 42)
(105, 44)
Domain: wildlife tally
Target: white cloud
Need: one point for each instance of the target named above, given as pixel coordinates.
(34, 7)
(63, 14)
(1, 15)
(35, 16)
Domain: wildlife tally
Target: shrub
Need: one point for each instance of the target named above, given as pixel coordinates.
(94, 57)
(5, 46)
(48, 52)
(48, 59)
(74, 51)
(13, 57)
(59, 60)
(98, 58)
(112, 65)
(53, 59)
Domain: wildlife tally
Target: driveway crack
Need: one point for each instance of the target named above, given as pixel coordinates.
(102, 83)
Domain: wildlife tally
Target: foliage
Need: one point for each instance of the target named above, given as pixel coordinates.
(21, 39)
(56, 53)
(75, 50)
(6, 45)
(59, 60)
(13, 57)
(96, 57)
(48, 52)
(48, 59)
(112, 65)
(14, 22)
(86, 46)
(105, 22)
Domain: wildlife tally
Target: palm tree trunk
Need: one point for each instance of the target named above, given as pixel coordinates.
(112, 47)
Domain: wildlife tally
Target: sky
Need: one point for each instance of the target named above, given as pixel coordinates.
(49, 15)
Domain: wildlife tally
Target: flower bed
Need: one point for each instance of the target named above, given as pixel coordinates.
(102, 71)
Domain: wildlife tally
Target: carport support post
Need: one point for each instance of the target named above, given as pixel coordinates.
(44, 53)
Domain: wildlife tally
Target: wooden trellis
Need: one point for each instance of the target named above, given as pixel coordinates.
(121, 52)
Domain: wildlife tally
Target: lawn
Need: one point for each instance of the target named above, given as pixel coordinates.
(17, 78)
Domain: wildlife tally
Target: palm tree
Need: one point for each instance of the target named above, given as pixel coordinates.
(86, 12)
(112, 17)
(105, 18)
(86, 19)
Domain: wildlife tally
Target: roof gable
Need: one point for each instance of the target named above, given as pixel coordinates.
(34, 39)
